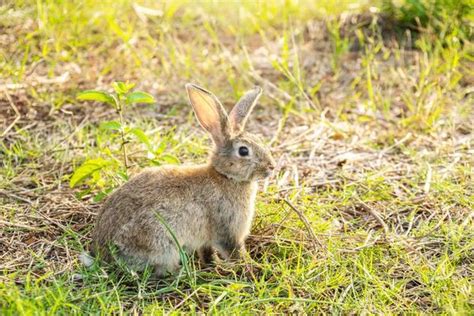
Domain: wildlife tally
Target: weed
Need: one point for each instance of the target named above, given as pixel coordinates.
(123, 98)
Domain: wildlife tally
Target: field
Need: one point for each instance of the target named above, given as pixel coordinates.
(367, 106)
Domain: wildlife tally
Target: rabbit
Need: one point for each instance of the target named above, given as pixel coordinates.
(208, 207)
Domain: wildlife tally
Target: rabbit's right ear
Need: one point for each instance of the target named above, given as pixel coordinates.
(209, 112)
(241, 111)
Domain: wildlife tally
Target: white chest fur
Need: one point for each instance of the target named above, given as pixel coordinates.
(250, 211)
(237, 210)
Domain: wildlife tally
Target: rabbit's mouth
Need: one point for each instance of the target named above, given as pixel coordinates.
(264, 173)
(267, 173)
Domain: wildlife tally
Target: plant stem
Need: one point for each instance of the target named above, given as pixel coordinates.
(122, 134)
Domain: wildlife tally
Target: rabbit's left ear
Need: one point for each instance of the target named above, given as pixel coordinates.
(210, 113)
(241, 111)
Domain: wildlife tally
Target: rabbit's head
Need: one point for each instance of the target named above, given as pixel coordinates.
(237, 154)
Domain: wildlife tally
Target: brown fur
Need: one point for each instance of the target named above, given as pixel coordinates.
(207, 206)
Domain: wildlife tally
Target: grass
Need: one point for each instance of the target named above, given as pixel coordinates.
(367, 109)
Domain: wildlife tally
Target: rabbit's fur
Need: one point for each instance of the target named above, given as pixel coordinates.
(207, 207)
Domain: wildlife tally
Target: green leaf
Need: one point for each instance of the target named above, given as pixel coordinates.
(161, 148)
(121, 87)
(94, 95)
(170, 159)
(111, 125)
(88, 168)
(141, 136)
(140, 97)
(102, 194)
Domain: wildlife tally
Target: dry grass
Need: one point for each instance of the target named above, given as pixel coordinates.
(371, 208)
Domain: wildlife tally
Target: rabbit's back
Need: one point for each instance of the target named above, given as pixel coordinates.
(131, 215)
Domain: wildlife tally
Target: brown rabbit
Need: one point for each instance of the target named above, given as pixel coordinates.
(207, 207)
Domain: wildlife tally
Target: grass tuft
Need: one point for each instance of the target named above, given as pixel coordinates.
(368, 110)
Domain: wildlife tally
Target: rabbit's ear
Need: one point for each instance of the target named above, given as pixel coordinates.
(241, 111)
(210, 113)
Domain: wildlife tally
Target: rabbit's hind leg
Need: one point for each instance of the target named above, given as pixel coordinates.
(165, 262)
(206, 255)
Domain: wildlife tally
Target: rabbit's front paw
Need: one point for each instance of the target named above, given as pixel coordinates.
(231, 250)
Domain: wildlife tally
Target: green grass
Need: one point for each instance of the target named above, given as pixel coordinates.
(370, 120)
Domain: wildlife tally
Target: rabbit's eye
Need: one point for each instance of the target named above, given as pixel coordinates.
(243, 151)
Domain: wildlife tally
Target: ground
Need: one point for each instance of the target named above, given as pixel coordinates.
(368, 109)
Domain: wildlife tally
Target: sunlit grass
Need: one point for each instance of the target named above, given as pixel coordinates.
(375, 141)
